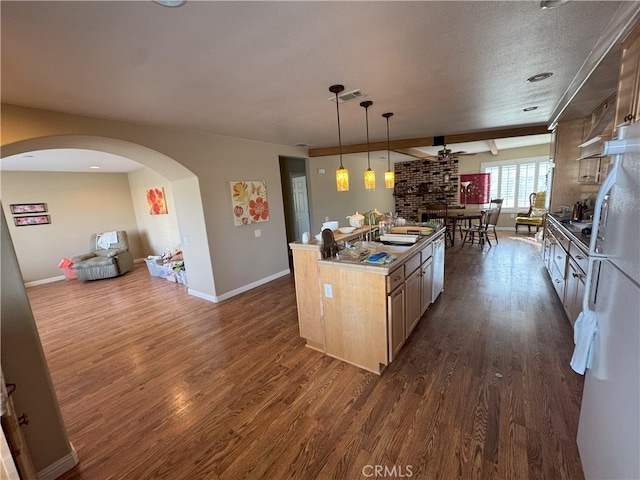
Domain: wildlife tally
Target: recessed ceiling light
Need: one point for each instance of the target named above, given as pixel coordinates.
(540, 76)
(529, 109)
(94, 167)
(549, 4)
(170, 3)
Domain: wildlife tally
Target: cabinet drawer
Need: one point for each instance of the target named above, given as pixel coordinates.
(412, 264)
(427, 252)
(558, 282)
(563, 240)
(395, 278)
(579, 257)
(560, 260)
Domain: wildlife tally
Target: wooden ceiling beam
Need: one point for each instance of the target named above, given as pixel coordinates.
(428, 141)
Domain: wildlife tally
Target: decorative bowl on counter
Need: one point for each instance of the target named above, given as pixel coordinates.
(346, 230)
(330, 225)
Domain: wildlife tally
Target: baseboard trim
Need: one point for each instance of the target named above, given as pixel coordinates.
(204, 296)
(60, 466)
(44, 280)
(238, 291)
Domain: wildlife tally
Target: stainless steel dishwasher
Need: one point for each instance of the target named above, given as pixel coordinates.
(437, 284)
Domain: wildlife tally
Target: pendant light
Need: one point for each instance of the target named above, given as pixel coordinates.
(369, 175)
(389, 176)
(342, 174)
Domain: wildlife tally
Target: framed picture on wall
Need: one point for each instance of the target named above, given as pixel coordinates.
(32, 220)
(20, 208)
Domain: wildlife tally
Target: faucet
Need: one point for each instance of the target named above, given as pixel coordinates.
(372, 218)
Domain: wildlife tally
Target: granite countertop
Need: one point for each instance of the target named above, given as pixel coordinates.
(573, 230)
(401, 254)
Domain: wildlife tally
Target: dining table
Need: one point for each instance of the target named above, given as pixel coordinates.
(457, 216)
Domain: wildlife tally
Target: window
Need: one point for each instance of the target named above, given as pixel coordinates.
(514, 180)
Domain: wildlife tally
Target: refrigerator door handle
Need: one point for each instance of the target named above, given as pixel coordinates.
(607, 185)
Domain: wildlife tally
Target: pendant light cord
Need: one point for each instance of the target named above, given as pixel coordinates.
(339, 135)
(366, 113)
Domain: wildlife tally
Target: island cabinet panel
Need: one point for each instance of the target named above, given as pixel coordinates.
(414, 296)
(397, 334)
(395, 278)
(426, 290)
(361, 312)
(308, 297)
(355, 316)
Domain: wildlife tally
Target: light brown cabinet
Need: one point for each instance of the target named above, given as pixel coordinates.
(396, 306)
(426, 290)
(361, 313)
(414, 300)
(566, 260)
(628, 103)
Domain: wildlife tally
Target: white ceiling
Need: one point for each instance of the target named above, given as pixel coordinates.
(69, 160)
(261, 70)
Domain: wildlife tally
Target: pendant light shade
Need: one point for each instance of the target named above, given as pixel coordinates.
(342, 174)
(389, 176)
(342, 179)
(369, 175)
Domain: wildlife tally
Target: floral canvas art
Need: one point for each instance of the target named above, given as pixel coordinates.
(249, 202)
(156, 200)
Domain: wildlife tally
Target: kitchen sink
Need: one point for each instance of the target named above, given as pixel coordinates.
(394, 248)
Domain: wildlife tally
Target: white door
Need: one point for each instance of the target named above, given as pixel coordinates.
(302, 222)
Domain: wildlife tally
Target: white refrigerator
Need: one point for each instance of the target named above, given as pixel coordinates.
(609, 426)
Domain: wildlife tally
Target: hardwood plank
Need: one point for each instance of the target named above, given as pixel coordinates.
(154, 383)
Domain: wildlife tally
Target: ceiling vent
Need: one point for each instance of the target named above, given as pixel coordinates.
(348, 96)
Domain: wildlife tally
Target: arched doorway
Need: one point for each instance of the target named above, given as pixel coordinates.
(185, 187)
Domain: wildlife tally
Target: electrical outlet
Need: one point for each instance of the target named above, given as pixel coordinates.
(257, 233)
(513, 215)
(185, 240)
(328, 290)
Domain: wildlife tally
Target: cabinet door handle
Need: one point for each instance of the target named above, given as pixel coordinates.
(557, 280)
(395, 279)
(579, 257)
(23, 419)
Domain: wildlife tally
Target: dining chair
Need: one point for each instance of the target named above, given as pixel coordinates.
(481, 230)
(496, 203)
(439, 212)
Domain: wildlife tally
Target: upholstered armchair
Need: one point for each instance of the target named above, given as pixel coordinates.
(108, 257)
(535, 216)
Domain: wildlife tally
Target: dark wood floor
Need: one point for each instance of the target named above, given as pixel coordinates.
(154, 383)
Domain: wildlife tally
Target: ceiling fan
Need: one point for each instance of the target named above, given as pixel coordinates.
(443, 154)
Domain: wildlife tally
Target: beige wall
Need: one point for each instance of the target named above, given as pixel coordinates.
(157, 233)
(24, 363)
(236, 258)
(79, 204)
(326, 201)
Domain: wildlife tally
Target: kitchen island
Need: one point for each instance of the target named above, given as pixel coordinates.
(362, 313)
